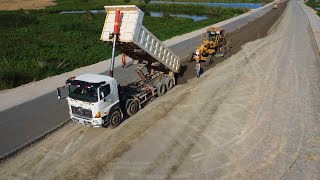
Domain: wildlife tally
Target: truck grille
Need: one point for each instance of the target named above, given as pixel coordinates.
(79, 111)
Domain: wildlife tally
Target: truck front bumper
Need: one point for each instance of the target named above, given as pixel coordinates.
(93, 122)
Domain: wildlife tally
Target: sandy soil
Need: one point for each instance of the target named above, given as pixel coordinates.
(253, 116)
(25, 4)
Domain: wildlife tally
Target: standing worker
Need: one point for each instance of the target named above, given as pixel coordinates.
(123, 60)
(198, 68)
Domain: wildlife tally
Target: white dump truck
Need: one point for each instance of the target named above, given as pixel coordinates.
(97, 100)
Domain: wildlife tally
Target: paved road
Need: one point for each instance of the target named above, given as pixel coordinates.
(21, 124)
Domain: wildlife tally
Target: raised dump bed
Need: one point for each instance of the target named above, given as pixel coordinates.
(135, 40)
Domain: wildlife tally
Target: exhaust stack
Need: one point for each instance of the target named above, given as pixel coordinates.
(115, 33)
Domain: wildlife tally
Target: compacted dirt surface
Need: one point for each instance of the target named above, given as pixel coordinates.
(24, 4)
(254, 115)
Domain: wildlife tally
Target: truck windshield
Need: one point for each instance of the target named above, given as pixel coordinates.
(88, 94)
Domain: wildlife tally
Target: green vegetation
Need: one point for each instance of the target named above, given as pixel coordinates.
(167, 27)
(39, 44)
(213, 12)
(313, 4)
(224, 1)
(64, 5)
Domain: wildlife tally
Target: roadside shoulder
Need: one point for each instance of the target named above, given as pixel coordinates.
(314, 22)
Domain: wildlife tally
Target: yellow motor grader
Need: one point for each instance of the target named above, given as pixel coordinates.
(215, 44)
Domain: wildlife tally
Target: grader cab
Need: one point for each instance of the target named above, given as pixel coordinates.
(215, 44)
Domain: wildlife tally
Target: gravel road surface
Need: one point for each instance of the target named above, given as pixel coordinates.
(254, 116)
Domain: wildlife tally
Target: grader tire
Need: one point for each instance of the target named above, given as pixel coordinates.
(208, 60)
(224, 50)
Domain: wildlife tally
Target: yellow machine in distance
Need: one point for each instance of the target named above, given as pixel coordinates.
(216, 44)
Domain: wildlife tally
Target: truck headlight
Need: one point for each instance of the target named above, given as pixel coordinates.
(98, 115)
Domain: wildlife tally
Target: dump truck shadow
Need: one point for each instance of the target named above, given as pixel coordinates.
(179, 76)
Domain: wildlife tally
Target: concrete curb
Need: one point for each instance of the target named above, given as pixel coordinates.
(314, 21)
(13, 97)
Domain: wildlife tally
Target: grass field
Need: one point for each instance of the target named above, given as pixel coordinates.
(39, 44)
(213, 12)
(224, 1)
(98, 4)
(313, 4)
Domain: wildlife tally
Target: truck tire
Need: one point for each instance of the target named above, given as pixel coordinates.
(169, 81)
(114, 118)
(133, 107)
(161, 88)
(208, 60)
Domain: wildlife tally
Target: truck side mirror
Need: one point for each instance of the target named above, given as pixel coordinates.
(58, 93)
(62, 92)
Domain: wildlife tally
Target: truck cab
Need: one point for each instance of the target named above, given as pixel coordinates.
(93, 100)
(97, 100)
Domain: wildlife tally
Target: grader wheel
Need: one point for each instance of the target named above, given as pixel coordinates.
(208, 60)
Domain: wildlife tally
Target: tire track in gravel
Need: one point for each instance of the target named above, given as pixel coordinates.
(194, 129)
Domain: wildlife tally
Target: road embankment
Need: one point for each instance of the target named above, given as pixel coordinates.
(314, 21)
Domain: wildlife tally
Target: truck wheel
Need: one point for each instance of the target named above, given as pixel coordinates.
(208, 60)
(169, 83)
(161, 88)
(133, 107)
(114, 119)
